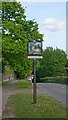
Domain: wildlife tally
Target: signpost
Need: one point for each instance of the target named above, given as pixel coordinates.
(35, 52)
(34, 83)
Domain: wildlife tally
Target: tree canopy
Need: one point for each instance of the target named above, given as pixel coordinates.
(53, 63)
(16, 32)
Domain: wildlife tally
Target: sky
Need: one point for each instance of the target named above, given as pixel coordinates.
(51, 18)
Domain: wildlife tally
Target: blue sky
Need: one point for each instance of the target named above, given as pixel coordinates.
(51, 17)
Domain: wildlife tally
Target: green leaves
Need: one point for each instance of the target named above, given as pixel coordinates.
(17, 31)
(53, 62)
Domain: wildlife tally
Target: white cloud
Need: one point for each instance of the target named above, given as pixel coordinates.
(53, 24)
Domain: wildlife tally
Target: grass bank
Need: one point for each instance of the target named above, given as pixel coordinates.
(23, 84)
(46, 107)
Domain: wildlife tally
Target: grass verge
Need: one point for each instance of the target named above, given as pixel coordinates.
(20, 84)
(0, 84)
(46, 107)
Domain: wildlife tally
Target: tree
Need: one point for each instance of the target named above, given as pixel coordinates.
(17, 31)
(53, 62)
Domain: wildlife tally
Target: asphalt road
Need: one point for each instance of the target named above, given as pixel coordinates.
(57, 91)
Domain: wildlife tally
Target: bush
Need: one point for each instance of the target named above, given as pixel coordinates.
(58, 79)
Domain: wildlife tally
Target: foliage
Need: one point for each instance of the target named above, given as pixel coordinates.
(58, 79)
(17, 31)
(46, 107)
(8, 70)
(53, 63)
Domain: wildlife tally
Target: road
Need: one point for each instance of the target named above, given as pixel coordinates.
(57, 91)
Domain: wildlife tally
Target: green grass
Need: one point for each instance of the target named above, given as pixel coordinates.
(0, 84)
(46, 107)
(20, 84)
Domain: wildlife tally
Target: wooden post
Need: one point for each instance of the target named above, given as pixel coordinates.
(34, 83)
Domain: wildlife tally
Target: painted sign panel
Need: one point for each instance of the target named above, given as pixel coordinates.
(34, 49)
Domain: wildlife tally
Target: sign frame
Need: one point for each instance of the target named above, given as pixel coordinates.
(37, 53)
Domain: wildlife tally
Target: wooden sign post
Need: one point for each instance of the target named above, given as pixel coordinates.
(34, 83)
(35, 52)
